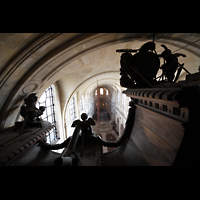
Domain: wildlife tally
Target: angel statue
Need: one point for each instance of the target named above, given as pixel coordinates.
(85, 137)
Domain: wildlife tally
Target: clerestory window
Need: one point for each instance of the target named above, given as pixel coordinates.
(72, 109)
(101, 91)
(47, 100)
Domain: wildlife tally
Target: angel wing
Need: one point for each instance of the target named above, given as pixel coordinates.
(76, 122)
(89, 122)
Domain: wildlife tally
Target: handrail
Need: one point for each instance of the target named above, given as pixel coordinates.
(72, 143)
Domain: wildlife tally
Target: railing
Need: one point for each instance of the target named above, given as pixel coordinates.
(72, 144)
(15, 148)
(65, 159)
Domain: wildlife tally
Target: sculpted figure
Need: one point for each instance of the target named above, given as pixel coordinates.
(85, 123)
(139, 70)
(86, 135)
(29, 111)
(170, 63)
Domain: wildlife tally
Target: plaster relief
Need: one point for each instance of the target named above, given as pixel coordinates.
(30, 88)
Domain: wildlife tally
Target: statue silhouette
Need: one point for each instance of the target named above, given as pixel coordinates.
(139, 70)
(170, 63)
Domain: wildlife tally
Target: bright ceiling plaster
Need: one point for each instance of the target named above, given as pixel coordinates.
(103, 65)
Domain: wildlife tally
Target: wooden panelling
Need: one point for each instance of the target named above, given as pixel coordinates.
(171, 131)
(145, 151)
(157, 131)
(154, 141)
(127, 155)
(160, 150)
(134, 153)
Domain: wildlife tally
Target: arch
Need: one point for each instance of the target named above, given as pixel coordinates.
(89, 86)
(49, 57)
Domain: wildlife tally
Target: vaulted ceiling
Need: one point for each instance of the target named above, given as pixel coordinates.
(74, 61)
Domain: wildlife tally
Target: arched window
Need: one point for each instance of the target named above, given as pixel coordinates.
(47, 100)
(72, 108)
(82, 108)
(86, 103)
(119, 96)
(101, 91)
(106, 92)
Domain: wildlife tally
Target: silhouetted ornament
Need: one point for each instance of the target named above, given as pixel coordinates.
(140, 70)
(30, 113)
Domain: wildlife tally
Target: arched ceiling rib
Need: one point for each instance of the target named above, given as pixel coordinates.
(105, 78)
(69, 59)
(106, 59)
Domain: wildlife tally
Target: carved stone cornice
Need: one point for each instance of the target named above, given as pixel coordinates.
(15, 148)
(160, 100)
